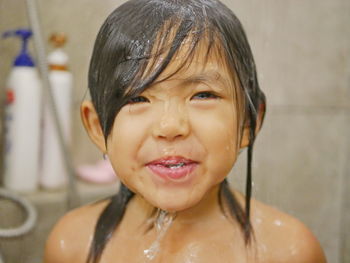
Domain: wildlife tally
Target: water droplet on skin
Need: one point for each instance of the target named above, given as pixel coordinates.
(293, 250)
(263, 247)
(192, 255)
(278, 222)
(258, 220)
(62, 244)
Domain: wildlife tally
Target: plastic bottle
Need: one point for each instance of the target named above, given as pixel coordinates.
(53, 173)
(22, 121)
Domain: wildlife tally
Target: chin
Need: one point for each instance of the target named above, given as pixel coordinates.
(171, 205)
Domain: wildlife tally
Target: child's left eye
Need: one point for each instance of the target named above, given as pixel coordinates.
(204, 95)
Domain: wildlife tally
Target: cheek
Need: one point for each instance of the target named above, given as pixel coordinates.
(217, 132)
(123, 144)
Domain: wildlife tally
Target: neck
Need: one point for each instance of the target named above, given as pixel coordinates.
(207, 209)
(204, 212)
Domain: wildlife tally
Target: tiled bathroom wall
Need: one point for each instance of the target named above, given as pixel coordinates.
(302, 51)
(302, 156)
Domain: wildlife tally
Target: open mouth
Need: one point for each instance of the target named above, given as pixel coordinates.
(173, 168)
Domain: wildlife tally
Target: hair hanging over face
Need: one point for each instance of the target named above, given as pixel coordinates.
(135, 44)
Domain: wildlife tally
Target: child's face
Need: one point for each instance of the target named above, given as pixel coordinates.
(178, 140)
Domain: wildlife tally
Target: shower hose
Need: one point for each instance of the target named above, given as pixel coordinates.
(31, 216)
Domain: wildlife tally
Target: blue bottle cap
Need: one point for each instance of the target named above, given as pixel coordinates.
(23, 59)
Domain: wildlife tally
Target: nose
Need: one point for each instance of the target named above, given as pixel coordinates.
(172, 123)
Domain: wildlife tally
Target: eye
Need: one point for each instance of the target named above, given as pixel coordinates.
(138, 99)
(205, 95)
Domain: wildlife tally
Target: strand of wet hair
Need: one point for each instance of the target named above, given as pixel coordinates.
(108, 221)
(248, 194)
(252, 127)
(248, 188)
(234, 209)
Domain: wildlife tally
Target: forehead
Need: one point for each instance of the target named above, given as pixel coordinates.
(195, 61)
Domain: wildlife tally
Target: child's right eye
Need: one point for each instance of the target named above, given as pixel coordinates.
(138, 99)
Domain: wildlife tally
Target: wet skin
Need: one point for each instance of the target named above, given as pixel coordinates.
(191, 118)
(172, 146)
(211, 237)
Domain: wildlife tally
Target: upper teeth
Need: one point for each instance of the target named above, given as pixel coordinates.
(177, 165)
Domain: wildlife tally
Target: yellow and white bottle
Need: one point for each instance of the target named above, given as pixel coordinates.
(53, 172)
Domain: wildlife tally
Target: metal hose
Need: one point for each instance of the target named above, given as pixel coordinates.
(72, 194)
(29, 209)
(28, 224)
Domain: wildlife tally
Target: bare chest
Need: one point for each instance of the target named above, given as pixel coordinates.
(201, 247)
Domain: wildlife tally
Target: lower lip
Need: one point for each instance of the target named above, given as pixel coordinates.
(173, 174)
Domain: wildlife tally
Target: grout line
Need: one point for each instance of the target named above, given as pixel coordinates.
(304, 109)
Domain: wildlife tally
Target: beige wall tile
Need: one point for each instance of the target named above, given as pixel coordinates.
(302, 49)
(299, 168)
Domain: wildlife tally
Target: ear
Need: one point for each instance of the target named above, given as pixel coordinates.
(259, 122)
(92, 124)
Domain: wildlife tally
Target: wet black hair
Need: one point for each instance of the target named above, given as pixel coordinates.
(123, 65)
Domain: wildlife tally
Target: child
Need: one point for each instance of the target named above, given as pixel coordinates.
(174, 97)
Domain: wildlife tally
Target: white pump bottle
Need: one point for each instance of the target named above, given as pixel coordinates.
(22, 123)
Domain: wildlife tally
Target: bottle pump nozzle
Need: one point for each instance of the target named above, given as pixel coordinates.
(23, 58)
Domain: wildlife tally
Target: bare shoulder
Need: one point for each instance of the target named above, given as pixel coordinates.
(70, 238)
(283, 238)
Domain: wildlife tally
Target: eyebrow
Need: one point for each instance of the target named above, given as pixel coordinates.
(208, 76)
